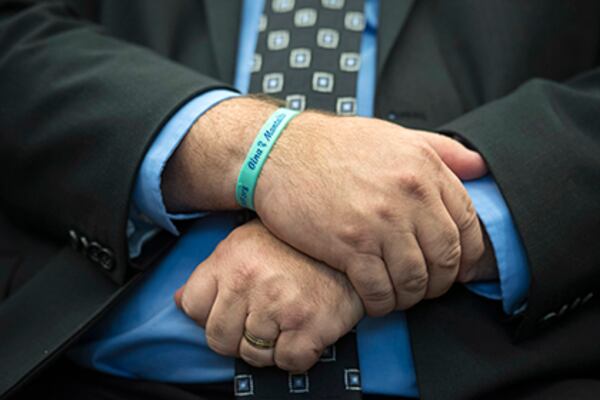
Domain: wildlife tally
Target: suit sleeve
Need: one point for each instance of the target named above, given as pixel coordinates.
(542, 145)
(78, 111)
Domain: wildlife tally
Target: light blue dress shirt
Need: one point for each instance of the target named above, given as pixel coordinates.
(147, 337)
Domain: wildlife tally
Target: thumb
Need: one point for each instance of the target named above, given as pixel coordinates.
(466, 164)
(197, 296)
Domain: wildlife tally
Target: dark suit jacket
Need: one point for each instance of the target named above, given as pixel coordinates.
(85, 86)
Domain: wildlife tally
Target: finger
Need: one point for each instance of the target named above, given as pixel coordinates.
(461, 209)
(225, 326)
(439, 240)
(407, 268)
(297, 351)
(466, 164)
(370, 278)
(197, 296)
(263, 326)
(483, 269)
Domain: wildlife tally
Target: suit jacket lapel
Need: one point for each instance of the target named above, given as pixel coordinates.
(223, 18)
(392, 17)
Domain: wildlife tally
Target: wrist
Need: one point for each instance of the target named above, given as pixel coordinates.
(300, 143)
(203, 172)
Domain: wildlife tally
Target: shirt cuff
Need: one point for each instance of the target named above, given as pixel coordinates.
(147, 194)
(513, 266)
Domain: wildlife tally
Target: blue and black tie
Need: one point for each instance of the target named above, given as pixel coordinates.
(308, 54)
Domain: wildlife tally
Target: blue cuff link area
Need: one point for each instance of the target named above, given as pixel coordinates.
(147, 193)
(513, 266)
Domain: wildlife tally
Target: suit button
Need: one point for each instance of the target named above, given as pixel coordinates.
(392, 116)
(74, 239)
(563, 310)
(85, 244)
(93, 251)
(587, 297)
(101, 256)
(106, 259)
(548, 317)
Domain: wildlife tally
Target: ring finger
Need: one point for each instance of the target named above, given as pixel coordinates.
(264, 328)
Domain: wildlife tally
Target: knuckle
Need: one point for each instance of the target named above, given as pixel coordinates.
(378, 293)
(218, 345)
(374, 290)
(412, 184)
(379, 302)
(450, 255)
(386, 211)
(242, 278)
(189, 308)
(297, 358)
(295, 317)
(426, 151)
(273, 293)
(357, 237)
(415, 280)
(469, 218)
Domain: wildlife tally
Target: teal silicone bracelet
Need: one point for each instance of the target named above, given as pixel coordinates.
(258, 154)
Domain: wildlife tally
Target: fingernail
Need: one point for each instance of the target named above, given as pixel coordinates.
(177, 297)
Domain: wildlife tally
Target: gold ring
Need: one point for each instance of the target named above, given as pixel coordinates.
(257, 342)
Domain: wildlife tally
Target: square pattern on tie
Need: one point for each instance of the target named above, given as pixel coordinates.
(305, 17)
(273, 83)
(350, 62)
(310, 48)
(300, 58)
(243, 385)
(328, 38)
(354, 21)
(322, 82)
(278, 40)
(333, 4)
(299, 383)
(296, 102)
(352, 379)
(346, 106)
(281, 6)
(328, 354)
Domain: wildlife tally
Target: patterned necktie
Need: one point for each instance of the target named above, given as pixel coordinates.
(308, 55)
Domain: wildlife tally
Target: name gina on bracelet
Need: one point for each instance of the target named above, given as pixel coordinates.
(267, 135)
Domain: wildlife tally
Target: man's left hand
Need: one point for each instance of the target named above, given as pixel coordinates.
(254, 282)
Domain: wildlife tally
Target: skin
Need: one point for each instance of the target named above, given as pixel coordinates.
(255, 281)
(379, 202)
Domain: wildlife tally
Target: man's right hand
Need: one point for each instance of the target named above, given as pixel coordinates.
(367, 197)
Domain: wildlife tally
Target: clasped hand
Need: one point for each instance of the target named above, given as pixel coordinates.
(256, 283)
(359, 215)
